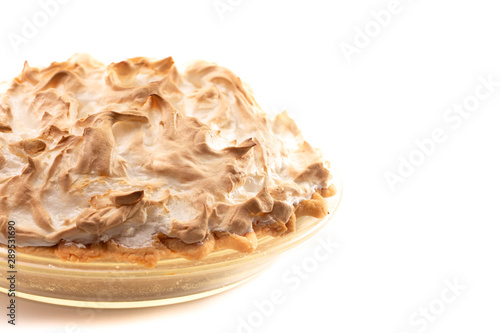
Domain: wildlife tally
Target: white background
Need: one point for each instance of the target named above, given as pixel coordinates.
(397, 248)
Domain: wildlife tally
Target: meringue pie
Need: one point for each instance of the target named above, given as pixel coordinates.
(137, 161)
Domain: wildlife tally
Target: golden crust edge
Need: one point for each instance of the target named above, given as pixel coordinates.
(165, 247)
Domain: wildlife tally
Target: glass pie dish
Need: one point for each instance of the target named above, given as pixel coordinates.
(107, 284)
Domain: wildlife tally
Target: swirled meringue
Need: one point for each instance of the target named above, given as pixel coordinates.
(91, 153)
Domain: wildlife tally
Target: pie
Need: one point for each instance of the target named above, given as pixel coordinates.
(137, 161)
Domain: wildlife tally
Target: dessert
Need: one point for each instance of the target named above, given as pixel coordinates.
(137, 161)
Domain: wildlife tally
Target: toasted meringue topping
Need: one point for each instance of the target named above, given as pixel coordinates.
(90, 153)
